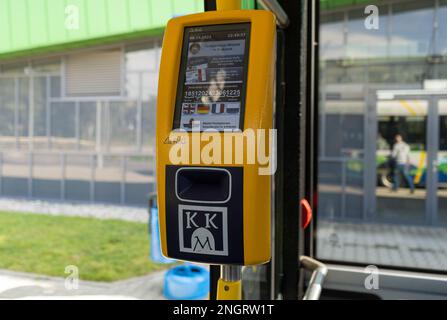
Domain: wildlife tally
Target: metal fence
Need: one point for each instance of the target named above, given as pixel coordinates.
(118, 178)
(98, 149)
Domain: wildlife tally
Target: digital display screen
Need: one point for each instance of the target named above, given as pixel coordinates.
(212, 79)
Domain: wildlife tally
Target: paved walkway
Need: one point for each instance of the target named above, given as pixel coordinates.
(17, 285)
(383, 244)
(75, 209)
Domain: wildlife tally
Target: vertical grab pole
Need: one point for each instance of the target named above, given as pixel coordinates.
(229, 286)
(223, 5)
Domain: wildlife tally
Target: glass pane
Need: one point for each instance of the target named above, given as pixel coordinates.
(63, 131)
(123, 121)
(142, 57)
(362, 42)
(332, 36)
(149, 124)
(7, 111)
(412, 28)
(442, 18)
(87, 125)
(142, 63)
(442, 164)
(23, 112)
(55, 83)
(401, 155)
(374, 205)
(40, 112)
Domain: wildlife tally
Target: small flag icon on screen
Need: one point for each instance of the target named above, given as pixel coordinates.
(218, 108)
(203, 109)
(233, 109)
(189, 108)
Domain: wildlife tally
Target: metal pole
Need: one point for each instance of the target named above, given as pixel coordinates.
(30, 174)
(16, 112)
(48, 111)
(31, 111)
(231, 273)
(223, 5)
(123, 179)
(282, 20)
(139, 114)
(92, 178)
(229, 286)
(63, 178)
(78, 125)
(319, 272)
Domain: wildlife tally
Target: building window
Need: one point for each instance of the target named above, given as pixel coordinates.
(142, 64)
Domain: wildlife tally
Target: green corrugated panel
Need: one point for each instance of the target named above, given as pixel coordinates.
(35, 26)
(248, 4)
(333, 4)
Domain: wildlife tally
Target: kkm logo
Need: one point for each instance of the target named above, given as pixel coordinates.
(203, 230)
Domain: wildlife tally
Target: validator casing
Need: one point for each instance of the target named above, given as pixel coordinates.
(216, 86)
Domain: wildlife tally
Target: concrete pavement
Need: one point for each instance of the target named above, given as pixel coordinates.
(18, 285)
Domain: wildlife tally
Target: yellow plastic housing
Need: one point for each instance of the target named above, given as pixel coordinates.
(258, 115)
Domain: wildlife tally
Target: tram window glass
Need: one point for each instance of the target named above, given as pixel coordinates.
(360, 42)
(443, 133)
(413, 31)
(412, 129)
(442, 17)
(442, 164)
(332, 37)
(362, 218)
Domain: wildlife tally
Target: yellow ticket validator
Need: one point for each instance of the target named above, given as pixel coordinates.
(215, 141)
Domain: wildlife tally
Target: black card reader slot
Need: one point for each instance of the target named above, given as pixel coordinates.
(203, 185)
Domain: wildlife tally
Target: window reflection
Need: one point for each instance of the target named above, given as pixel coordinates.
(413, 32)
(362, 217)
(442, 20)
(332, 36)
(364, 43)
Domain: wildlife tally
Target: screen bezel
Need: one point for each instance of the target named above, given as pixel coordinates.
(246, 26)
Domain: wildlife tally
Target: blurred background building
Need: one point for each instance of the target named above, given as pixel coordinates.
(78, 83)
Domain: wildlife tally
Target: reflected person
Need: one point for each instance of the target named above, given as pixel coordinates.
(401, 156)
